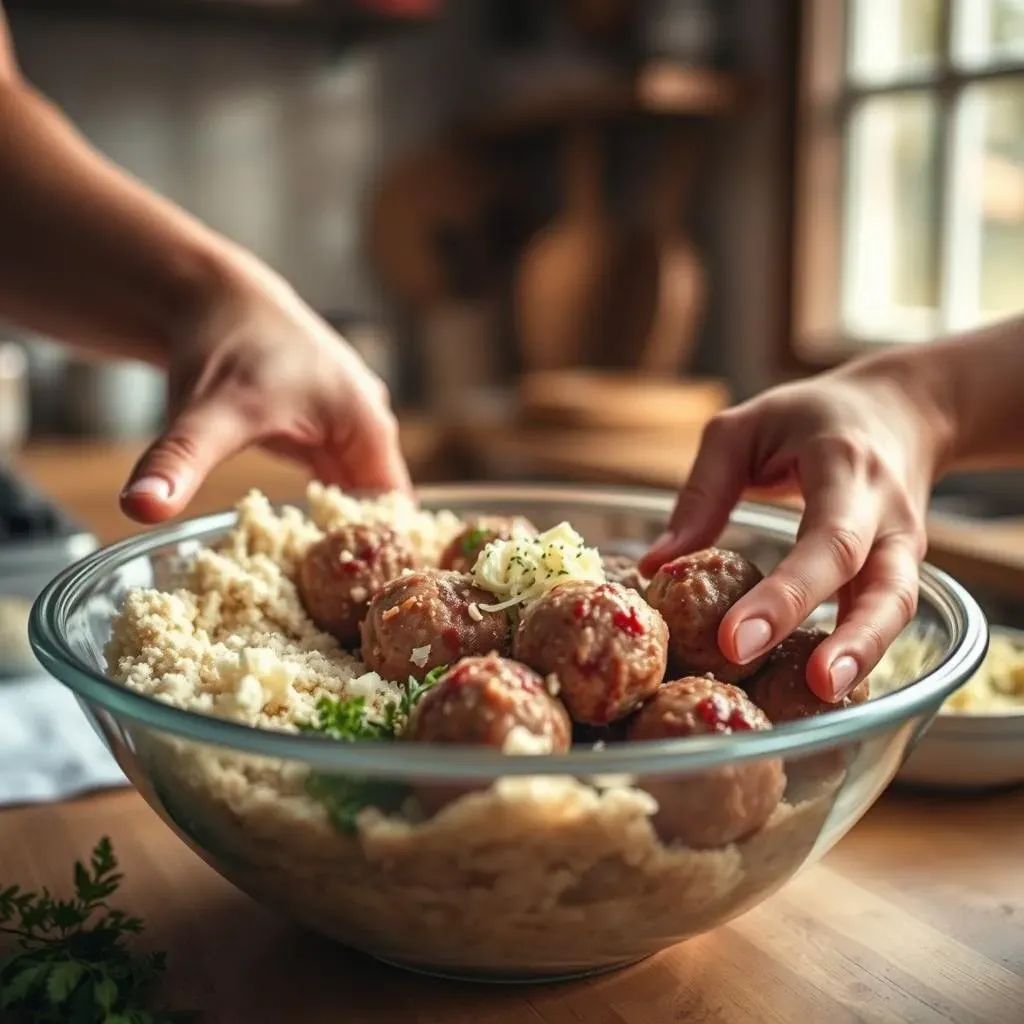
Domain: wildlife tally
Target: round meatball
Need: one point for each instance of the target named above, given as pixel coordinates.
(781, 690)
(719, 806)
(492, 701)
(604, 643)
(340, 573)
(623, 570)
(693, 593)
(464, 549)
(427, 618)
(487, 701)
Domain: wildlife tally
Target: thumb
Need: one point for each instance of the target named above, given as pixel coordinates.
(168, 475)
(720, 473)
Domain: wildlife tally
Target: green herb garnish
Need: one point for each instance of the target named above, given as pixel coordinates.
(348, 720)
(473, 540)
(71, 963)
(343, 798)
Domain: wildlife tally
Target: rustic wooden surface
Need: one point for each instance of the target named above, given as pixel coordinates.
(917, 915)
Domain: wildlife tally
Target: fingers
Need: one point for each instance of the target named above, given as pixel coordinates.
(170, 472)
(884, 602)
(838, 528)
(719, 474)
(371, 457)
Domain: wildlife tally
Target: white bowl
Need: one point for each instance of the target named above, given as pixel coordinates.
(966, 751)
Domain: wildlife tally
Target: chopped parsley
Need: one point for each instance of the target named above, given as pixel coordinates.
(343, 798)
(473, 540)
(70, 962)
(348, 721)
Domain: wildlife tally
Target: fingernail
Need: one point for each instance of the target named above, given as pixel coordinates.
(752, 637)
(843, 674)
(155, 487)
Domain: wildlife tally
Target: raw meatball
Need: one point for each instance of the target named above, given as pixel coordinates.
(605, 644)
(340, 573)
(719, 806)
(493, 702)
(623, 570)
(428, 618)
(464, 549)
(693, 593)
(487, 701)
(781, 690)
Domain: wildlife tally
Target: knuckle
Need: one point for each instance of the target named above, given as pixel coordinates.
(177, 445)
(904, 597)
(851, 448)
(872, 641)
(719, 429)
(794, 596)
(847, 548)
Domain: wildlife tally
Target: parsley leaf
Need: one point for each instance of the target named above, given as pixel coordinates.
(70, 962)
(347, 719)
(473, 540)
(343, 797)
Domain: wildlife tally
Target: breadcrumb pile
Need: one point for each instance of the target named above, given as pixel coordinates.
(232, 638)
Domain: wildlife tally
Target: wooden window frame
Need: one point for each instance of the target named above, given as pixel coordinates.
(824, 100)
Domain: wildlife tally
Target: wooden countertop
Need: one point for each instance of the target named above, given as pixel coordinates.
(917, 915)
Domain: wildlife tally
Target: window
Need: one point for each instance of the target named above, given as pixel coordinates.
(910, 170)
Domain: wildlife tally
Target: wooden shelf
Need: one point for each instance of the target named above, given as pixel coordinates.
(660, 89)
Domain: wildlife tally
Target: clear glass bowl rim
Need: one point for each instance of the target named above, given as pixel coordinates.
(959, 612)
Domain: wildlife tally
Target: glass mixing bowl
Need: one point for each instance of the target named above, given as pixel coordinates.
(546, 867)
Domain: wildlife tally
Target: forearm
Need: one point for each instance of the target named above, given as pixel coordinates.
(88, 255)
(969, 389)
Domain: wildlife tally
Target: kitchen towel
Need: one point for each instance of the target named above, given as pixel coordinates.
(48, 749)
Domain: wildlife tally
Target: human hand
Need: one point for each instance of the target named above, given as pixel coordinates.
(863, 448)
(259, 367)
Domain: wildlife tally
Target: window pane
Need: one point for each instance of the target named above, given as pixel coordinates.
(893, 38)
(989, 31)
(890, 287)
(986, 259)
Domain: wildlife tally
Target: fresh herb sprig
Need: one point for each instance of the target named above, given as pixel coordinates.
(349, 720)
(71, 962)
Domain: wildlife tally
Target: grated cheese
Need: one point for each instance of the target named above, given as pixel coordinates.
(522, 569)
(420, 655)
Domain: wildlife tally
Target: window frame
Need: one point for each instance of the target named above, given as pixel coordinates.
(826, 99)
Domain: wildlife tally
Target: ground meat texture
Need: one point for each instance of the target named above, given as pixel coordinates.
(487, 701)
(464, 549)
(623, 570)
(693, 593)
(340, 574)
(428, 618)
(719, 806)
(781, 690)
(604, 643)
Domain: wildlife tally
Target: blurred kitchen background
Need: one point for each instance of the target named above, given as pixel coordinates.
(565, 232)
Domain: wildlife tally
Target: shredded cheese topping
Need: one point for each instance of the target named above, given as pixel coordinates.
(521, 570)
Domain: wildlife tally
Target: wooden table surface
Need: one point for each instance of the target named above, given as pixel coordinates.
(916, 916)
